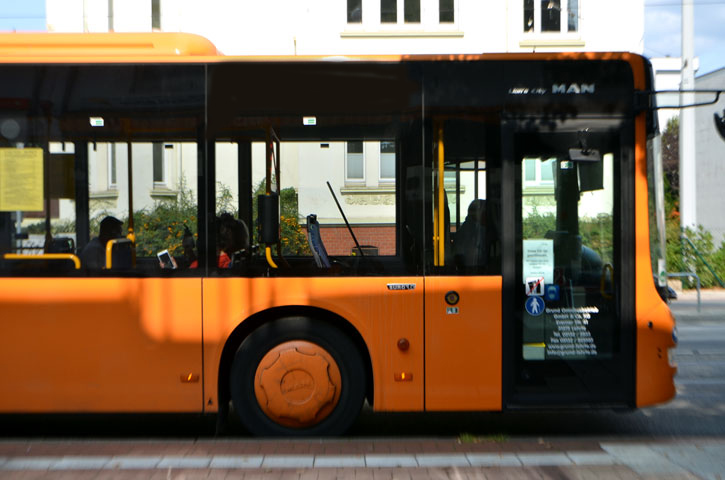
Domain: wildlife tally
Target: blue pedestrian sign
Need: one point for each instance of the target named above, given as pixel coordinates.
(552, 293)
(535, 306)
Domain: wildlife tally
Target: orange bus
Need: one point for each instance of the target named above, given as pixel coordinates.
(295, 236)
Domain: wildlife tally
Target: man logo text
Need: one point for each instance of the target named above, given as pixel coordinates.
(572, 88)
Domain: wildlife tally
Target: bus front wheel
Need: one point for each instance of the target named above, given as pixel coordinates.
(297, 376)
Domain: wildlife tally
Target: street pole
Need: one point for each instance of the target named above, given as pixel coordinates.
(688, 179)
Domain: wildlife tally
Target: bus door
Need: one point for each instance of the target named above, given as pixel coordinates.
(463, 286)
(567, 336)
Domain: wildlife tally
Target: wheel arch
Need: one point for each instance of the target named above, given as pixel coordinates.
(250, 324)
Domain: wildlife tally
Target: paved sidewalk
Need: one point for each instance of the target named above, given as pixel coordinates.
(369, 458)
(712, 305)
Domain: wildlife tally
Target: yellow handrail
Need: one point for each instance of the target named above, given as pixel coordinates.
(268, 254)
(603, 281)
(45, 256)
(439, 234)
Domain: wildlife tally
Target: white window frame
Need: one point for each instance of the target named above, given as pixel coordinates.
(112, 166)
(167, 155)
(564, 20)
(455, 13)
(538, 180)
(382, 179)
(355, 180)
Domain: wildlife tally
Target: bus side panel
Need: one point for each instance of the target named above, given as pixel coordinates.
(655, 324)
(100, 345)
(463, 344)
(381, 314)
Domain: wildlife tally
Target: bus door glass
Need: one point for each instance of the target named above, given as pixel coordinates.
(567, 333)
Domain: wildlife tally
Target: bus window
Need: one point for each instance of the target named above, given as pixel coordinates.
(352, 215)
(164, 202)
(38, 186)
(470, 205)
(111, 142)
(362, 176)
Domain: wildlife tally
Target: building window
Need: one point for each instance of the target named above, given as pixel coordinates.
(542, 16)
(403, 14)
(389, 11)
(354, 162)
(354, 11)
(159, 170)
(446, 11)
(539, 172)
(550, 15)
(156, 14)
(573, 15)
(528, 15)
(412, 11)
(162, 154)
(387, 161)
(112, 178)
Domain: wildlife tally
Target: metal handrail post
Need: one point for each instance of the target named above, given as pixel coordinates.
(702, 259)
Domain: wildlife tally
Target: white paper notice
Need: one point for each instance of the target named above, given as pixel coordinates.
(539, 259)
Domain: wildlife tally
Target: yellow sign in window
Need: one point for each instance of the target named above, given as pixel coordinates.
(21, 179)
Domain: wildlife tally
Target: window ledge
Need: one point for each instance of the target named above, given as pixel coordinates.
(104, 194)
(382, 189)
(401, 34)
(552, 42)
(163, 192)
(538, 190)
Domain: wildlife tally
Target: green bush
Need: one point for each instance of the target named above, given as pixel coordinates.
(596, 233)
(681, 256)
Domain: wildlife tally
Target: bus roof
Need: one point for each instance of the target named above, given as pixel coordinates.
(102, 47)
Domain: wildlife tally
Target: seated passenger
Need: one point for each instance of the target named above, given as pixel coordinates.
(188, 259)
(93, 256)
(469, 243)
(233, 240)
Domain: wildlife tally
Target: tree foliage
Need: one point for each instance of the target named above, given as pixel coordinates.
(596, 233)
(680, 255)
(671, 154)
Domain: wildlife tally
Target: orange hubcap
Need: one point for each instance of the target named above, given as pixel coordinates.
(297, 384)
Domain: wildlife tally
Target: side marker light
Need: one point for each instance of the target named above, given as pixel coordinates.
(189, 378)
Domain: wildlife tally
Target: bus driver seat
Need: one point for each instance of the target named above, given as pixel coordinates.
(315, 241)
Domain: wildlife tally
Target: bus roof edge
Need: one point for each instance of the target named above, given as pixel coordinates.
(104, 45)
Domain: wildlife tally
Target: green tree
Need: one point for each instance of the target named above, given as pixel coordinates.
(671, 155)
(162, 226)
(537, 225)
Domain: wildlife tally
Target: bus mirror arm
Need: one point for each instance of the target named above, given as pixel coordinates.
(349, 229)
(584, 153)
(646, 99)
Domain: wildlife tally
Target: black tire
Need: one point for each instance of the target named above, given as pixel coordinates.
(268, 336)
